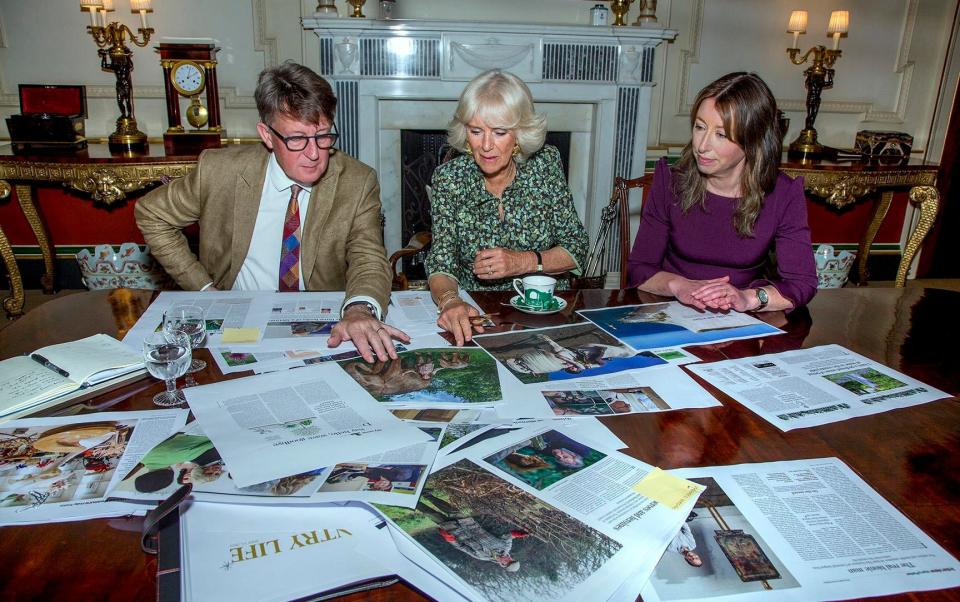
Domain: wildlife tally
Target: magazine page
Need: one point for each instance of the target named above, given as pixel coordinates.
(430, 377)
(564, 524)
(810, 387)
(629, 392)
(561, 353)
(260, 361)
(300, 317)
(60, 469)
(415, 313)
(795, 530)
(672, 324)
(393, 477)
(238, 552)
(188, 456)
(275, 425)
(222, 309)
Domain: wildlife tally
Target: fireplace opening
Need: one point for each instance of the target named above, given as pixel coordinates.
(421, 151)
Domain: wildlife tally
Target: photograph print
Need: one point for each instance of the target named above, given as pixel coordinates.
(509, 546)
(545, 459)
(563, 352)
(604, 402)
(651, 326)
(433, 376)
(47, 465)
(864, 381)
(718, 552)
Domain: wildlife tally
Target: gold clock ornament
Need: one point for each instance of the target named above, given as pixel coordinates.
(191, 70)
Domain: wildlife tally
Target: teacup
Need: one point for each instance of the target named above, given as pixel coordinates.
(536, 291)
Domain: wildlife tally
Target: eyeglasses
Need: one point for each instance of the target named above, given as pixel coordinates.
(298, 143)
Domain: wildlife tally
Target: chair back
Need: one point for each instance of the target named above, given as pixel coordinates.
(612, 247)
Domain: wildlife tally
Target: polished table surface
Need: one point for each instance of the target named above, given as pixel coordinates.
(910, 456)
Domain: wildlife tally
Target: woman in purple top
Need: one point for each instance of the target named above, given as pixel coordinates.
(709, 222)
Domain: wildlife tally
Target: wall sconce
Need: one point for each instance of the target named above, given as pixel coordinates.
(817, 77)
(115, 56)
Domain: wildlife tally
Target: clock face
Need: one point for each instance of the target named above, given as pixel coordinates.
(187, 78)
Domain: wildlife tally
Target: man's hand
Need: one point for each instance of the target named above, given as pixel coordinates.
(499, 263)
(369, 335)
(455, 319)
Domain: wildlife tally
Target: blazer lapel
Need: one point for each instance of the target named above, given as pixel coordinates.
(322, 197)
(247, 192)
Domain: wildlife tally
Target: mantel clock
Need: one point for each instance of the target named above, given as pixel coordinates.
(188, 71)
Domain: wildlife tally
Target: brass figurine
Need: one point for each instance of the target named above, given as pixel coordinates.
(817, 78)
(115, 56)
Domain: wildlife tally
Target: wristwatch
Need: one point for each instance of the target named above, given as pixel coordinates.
(539, 261)
(370, 307)
(763, 298)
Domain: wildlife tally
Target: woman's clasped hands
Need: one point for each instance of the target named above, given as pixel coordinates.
(716, 294)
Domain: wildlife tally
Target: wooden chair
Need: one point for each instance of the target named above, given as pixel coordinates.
(612, 247)
(419, 243)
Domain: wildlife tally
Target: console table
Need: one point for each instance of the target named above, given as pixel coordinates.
(841, 183)
(107, 178)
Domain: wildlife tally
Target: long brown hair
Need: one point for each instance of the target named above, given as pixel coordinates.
(749, 113)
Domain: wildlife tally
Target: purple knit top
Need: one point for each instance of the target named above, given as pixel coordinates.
(704, 243)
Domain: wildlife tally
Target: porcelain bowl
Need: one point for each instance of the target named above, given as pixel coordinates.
(132, 266)
(833, 267)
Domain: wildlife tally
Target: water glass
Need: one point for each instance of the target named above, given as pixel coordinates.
(167, 357)
(190, 320)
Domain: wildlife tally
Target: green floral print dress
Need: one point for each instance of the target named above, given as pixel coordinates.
(538, 215)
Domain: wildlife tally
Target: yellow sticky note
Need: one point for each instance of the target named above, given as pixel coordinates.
(667, 489)
(240, 335)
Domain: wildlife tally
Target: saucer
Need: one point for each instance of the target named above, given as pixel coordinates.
(517, 303)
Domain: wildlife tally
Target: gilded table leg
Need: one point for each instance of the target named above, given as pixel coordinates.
(928, 199)
(13, 304)
(25, 196)
(880, 209)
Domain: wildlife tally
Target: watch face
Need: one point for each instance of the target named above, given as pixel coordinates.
(762, 295)
(187, 78)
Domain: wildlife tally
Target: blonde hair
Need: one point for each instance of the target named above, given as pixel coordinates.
(501, 100)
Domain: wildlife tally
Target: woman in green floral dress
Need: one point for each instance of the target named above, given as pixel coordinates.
(502, 208)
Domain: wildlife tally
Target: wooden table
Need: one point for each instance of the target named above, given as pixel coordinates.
(910, 456)
(841, 183)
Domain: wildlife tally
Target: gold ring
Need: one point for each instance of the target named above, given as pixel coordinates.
(379, 329)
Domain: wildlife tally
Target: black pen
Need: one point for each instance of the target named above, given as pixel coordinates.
(42, 360)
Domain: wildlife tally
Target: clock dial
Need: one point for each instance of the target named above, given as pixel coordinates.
(188, 78)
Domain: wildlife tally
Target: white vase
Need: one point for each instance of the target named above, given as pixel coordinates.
(347, 54)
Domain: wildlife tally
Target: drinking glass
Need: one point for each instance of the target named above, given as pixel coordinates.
(167, 357)
(188, 319)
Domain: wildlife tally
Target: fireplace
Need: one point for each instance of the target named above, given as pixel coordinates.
(398, 81)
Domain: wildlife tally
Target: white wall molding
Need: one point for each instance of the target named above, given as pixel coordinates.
(261, 41)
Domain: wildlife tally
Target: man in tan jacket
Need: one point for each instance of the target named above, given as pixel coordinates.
(293, 214)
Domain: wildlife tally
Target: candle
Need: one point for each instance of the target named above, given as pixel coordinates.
(142, 7)
(797, 25)
(839, 23)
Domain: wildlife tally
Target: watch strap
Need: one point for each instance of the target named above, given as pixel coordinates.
(539, 261)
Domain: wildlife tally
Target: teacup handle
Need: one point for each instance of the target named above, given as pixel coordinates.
(517, 283)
